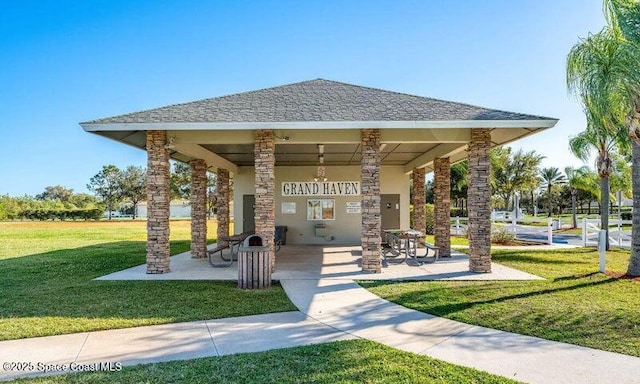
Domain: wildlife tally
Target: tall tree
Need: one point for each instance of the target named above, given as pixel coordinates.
(513, 172)
(621, 180)
(604, 141)
(106, 185)
(56, 192)
(133, 186)
(180, 181)
(551, 176)
(578, 180)
(603, 69)
(83, 201)
(459, 183)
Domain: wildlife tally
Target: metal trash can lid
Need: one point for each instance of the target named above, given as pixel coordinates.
(254, 248)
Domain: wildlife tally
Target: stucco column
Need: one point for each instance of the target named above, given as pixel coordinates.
(198, 208)
(418, 200)
(157, 202)
(442, 205)
(265, 214)
(370, 179)
(222, 204)
(479, 196)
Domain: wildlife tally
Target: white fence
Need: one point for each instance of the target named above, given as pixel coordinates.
(542, 234)
(591, 229)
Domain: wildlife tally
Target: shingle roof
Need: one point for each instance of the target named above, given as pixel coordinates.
(315, 100)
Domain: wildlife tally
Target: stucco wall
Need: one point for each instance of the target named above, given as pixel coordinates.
(345, 229)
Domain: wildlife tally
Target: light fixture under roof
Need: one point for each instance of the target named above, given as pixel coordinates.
(321, 174)
(171, 143)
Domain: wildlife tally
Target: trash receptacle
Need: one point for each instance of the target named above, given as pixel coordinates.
(281, 234)
(254, 264)
(555, 224)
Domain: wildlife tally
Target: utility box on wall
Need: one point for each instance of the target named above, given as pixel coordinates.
(321, 230)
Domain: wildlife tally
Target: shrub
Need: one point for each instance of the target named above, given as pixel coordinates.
(63, 214)
(458, 212)
(502, 236)
(429, 218)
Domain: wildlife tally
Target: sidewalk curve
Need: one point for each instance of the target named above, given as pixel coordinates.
(346, 306)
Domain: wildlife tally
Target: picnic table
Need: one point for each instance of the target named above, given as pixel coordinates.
(404, 246)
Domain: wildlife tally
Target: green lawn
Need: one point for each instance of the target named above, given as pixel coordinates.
(47, 288)
(455, 240)
(576, 304)
(354, 361)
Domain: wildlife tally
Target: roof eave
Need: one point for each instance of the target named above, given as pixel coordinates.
(221, 126)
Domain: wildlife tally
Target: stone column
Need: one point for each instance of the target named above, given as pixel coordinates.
(442, 205)
(418, 200)
(370, 179)
(157, 202)
(198, 208)
(478, 205)
(222, 204)
(265, 215)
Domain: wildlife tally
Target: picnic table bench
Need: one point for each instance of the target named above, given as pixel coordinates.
(227, 242)
(232, 243)
(400, 246)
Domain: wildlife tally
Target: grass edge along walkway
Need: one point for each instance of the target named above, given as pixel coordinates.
(575, 305)
(351, 361)
(48, 288)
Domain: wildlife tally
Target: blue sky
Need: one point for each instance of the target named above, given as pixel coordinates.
(64, 62)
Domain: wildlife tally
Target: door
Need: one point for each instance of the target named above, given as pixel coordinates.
(390, 211)
(248, 213)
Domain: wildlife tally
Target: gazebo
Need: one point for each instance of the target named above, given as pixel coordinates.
(330, 161)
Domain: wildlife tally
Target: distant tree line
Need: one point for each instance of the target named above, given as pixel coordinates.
(56, 202)
(518, 174)
(114, 190)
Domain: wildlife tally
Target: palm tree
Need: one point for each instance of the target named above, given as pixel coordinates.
(578, 180)
(603, 69)
(604, 141)
(550, 177)
(621, 177)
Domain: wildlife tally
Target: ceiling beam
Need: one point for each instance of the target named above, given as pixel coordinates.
(426, 159)
(195, 151)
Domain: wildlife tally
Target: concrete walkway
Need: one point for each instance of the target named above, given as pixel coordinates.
(346, 306)
(180, 341)
(331, 307)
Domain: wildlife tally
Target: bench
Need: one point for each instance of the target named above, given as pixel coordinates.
(218, 250)
(422, 259)
(232, 243)
(391, 251)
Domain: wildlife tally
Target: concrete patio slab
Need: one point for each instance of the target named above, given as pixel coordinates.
(325, 262)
